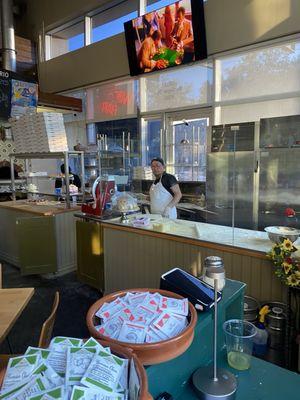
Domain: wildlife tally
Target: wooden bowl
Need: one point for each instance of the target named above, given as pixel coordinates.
(148, 353)
(118, 351)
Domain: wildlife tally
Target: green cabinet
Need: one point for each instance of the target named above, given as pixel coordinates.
(37, 245)
(90, 258)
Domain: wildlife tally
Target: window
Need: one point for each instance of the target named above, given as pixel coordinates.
(110, 22)
(91, 134)
(258, 84)
(111, 101)
(120, 146)
(268, 71)
(178, 88)
(186, 146)
(151, 139)
(66, 40)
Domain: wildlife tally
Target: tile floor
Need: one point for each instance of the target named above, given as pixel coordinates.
(75, 300)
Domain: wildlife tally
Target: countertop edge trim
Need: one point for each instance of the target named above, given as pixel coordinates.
(35, 212)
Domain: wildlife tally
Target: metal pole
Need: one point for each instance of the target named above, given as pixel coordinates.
(8, 36)
(99, 146)
(67, 179)
(215, 329)
(129, 155)
(124, 155)
(82, 177)
(193, 143)
(12, 176)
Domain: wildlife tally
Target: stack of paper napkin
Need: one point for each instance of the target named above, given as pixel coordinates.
(70, 369)
(143, 317)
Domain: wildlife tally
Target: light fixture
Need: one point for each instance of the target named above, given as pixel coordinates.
(213, 383)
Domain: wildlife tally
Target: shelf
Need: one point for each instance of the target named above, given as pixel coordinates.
(7, 182)
(42, 177)
(48, 194)
(185, 165)
(60, 154)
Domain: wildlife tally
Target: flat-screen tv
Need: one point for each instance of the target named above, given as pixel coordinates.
(170, 36)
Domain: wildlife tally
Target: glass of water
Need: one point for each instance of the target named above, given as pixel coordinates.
(239, 336)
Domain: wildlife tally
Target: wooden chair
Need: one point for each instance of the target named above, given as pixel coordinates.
(4, 358)
(47, 328)
(44, 341)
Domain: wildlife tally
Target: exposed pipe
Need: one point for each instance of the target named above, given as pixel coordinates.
(9, 61)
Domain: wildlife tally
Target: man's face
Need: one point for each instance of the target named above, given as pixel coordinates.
(180, 16)
(157, 168)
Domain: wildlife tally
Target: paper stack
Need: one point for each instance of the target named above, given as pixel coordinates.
(39, 133)
(142, 173)
(143, 317)
(69, 370)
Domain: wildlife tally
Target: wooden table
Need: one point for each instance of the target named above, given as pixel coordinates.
(12, 303)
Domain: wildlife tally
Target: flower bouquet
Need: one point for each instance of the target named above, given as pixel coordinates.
(286, 259)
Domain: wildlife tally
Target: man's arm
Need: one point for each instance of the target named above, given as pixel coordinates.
(177, 195)
(190, 37)
(145, 56)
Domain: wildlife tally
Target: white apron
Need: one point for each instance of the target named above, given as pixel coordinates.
(159, 200)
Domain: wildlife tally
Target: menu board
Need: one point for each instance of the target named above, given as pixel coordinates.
(5, 94)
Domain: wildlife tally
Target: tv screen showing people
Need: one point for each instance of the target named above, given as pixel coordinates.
(170, 36)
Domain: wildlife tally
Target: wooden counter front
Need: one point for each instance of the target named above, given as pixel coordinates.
(47, 210)
(191, 241)
(37, 239)
(137, 257)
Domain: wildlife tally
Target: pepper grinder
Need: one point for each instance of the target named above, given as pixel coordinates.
(213, 383)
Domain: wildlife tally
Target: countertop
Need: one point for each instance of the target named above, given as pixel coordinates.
(256, 241)
(42, 210)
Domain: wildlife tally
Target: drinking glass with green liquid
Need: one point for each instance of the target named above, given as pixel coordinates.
(239, 336)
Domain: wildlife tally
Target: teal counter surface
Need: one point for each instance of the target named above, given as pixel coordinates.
(263, 381)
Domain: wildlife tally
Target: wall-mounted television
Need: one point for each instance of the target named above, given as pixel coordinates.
(170, 36)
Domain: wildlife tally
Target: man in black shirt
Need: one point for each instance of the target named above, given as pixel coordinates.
(165, 193)
(74, 179)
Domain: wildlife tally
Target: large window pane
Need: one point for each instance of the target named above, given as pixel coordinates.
(120, 146)
(66, 40)
(111, 101)
(111, 21)
(182, 87)
(268, 71)
(254, 111)
(151, 139)
(186, 148)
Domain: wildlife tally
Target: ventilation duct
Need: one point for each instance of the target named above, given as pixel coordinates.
(8, 35)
